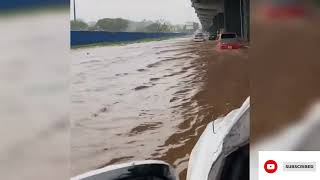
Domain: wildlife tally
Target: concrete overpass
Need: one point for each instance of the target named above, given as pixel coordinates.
(229, 15)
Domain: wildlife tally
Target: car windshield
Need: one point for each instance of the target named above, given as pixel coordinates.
(199, 35)
(228, 36)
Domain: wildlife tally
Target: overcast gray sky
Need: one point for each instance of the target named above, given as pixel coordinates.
(174, 11)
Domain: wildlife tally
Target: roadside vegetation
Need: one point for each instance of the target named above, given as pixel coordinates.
(124, 25)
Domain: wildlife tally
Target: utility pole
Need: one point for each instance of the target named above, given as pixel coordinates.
(74, 11)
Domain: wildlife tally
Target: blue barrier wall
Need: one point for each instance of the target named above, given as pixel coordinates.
(19, 4)
(90, 37)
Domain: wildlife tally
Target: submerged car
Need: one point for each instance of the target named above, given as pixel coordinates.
(213, 37)
(229, 40)
(221, 153)
(199, 37)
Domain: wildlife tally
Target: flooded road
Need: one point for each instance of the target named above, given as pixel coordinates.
(149, 100)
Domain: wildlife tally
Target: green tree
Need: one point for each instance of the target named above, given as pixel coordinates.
(154, 27)
(78, 25)
(159, 26)
(112, 25)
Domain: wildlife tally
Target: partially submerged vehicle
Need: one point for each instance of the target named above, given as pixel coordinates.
(221, 153)
(229, 40)
(213, 37)
(199, 37)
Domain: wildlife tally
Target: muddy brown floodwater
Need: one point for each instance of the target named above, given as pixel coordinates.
(150, 100)
(284, 72)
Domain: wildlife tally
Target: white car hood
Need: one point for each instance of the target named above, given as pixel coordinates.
(220, 138)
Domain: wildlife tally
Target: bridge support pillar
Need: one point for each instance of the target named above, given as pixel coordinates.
(217, 24)
(236, 17)
(232, 20)
(220, 21)
(245, 19)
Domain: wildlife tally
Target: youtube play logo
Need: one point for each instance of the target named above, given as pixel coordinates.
(270, 166)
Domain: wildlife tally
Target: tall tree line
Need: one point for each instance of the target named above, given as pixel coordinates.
(124, 25)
